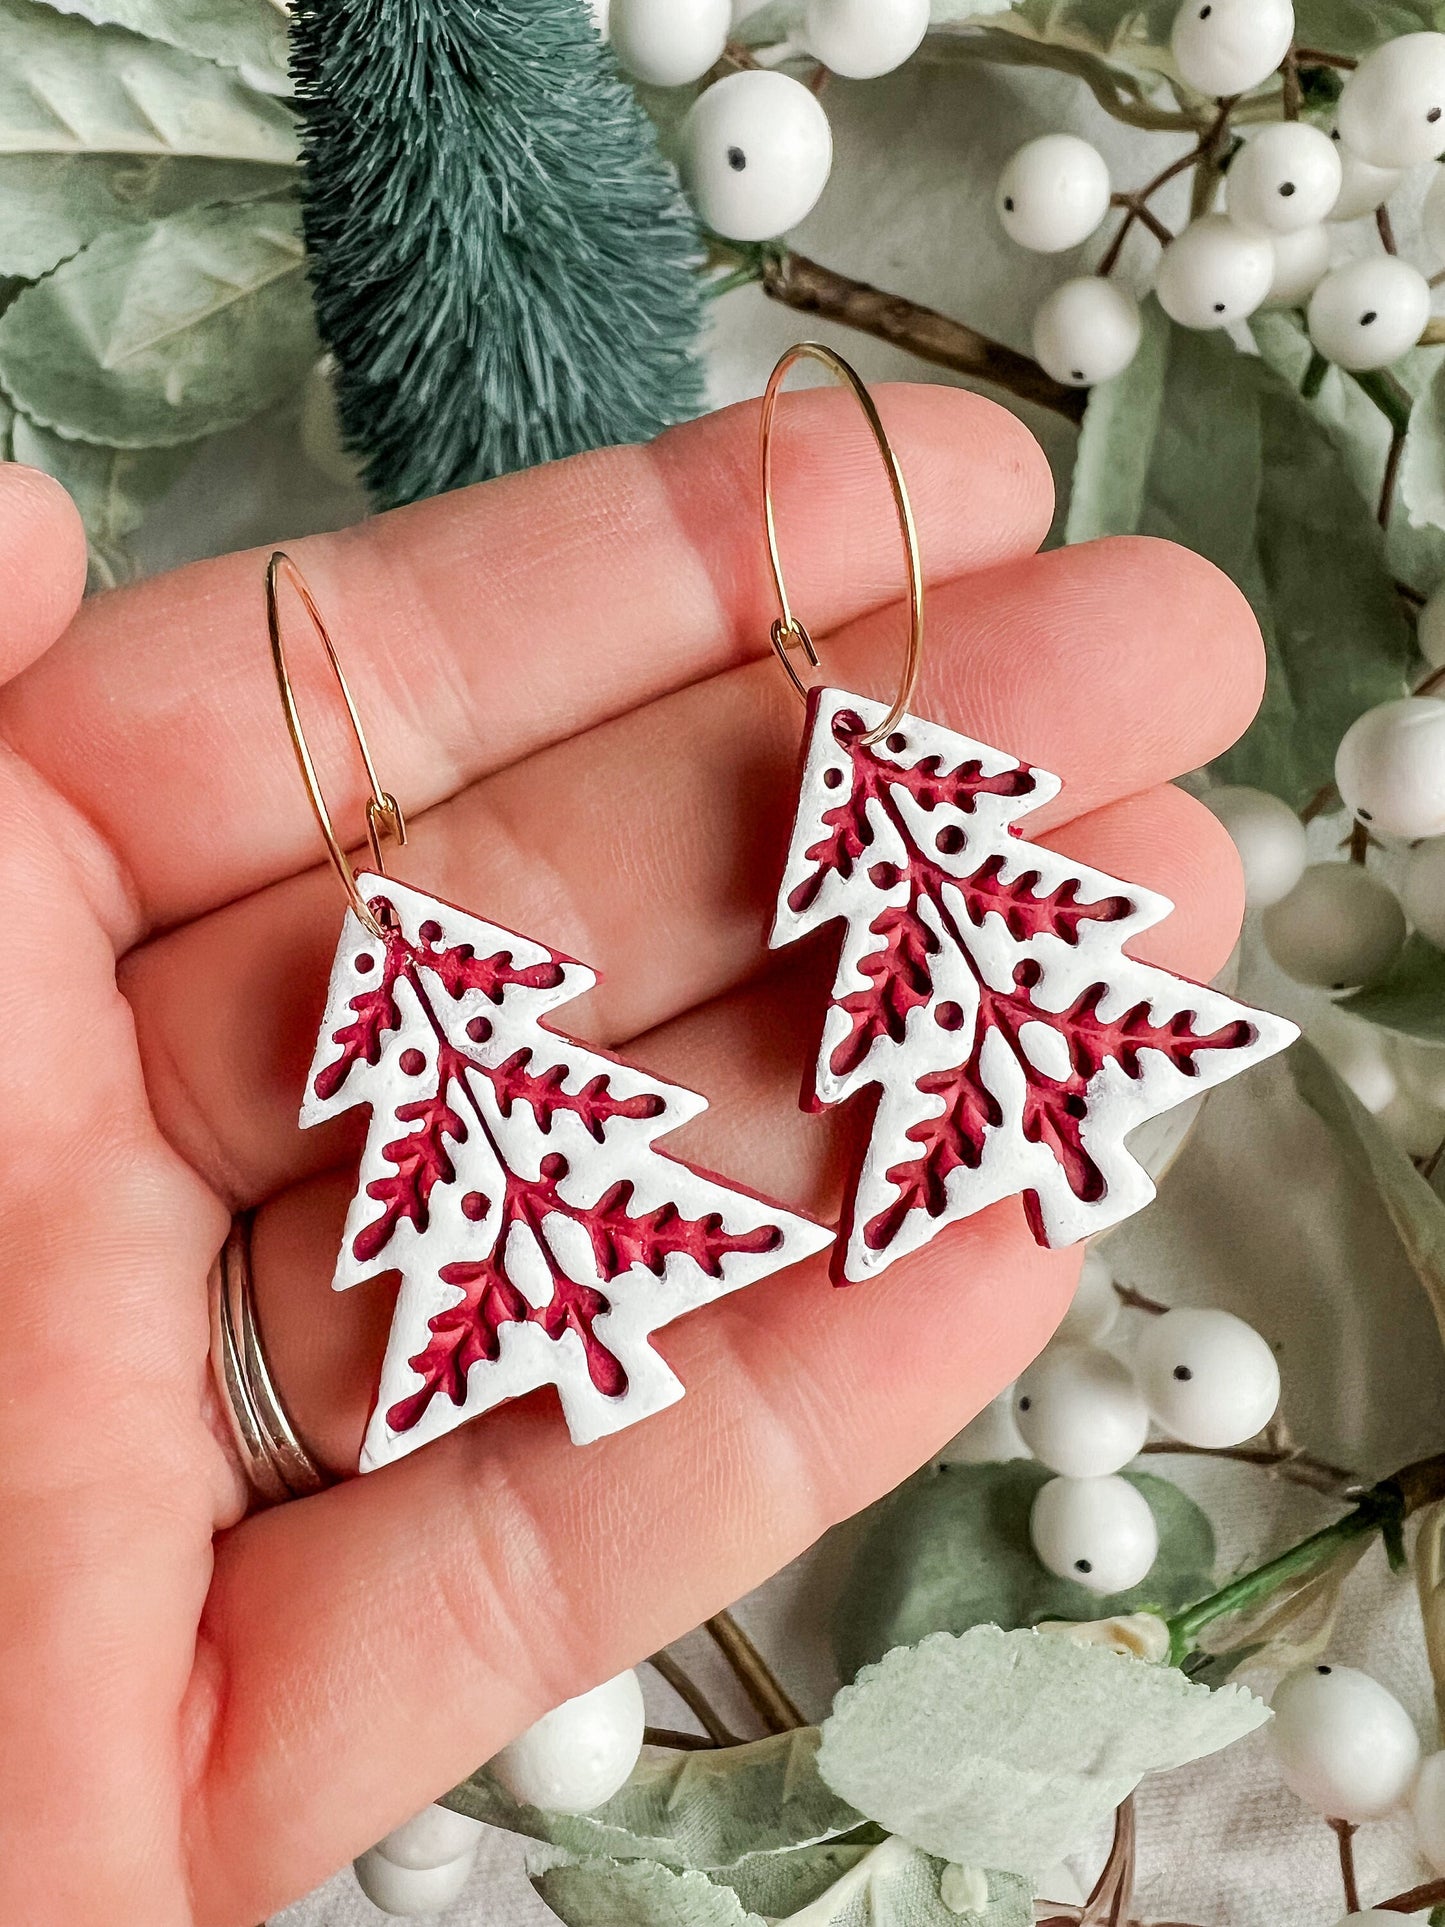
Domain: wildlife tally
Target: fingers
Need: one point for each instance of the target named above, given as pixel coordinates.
(441, 1605)
(651, 847)
(42, 565)
(478, 627)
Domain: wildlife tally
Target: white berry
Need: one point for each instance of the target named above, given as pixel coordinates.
(1427, 1808)
(1053, 193)
(1422, 890)
(1209, 1379)
(669, 43)
(432, 1838)
(1094, 1308)
(1080, 1411)
(1338, 928)
(1342, 1743)
(1392, 109)
(1368, 313)
(1286, 178)
(990, 1437)
(1224, 47)
(1430, 629)
(864, 38)
(1269, 837)
(1214, 273)
(1086, 331)
(1362, 188)
(1355, 1051)
(578, 1755)
(1098, 1532)
(755, 152)
(1390, 767)
(412, 1893)
(1301, 261)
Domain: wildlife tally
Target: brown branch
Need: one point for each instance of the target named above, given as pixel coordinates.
(1391, 476)
(694, 1699)
(1324, 798)
(1386, 228)
(1138, 1301)
(677, 1742)
(1358, 843)
(1414, 1900)
(1344, 1832)
(1293, 96)
(774, 1706)
(1108, 1905)
(811, 288)
(1296, 1468)
(1317, 57)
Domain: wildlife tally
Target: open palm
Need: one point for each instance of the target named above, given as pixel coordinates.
(566, 681)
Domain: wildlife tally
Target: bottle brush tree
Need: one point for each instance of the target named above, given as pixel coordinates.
(504, 265)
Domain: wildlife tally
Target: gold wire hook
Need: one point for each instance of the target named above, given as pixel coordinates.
(383, 812)
(787, 629)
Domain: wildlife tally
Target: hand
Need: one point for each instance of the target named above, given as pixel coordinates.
(567, 683)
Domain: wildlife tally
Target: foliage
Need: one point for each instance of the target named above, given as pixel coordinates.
(950, 1549)
(1212, 448)
(508, 275)
(1004, 1749)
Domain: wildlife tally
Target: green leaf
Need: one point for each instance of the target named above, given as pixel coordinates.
(950, 1549)
(1410, 998)
(164, 333)
(53, 205)
(1212, 448)
(69, 88)
(1355, 26)
(638, 1893)
(1006, 1749)
(777, 1884)
(112, 488)
(249, 35)
(887, 1885)
(1415, 1209)
(704, 1809)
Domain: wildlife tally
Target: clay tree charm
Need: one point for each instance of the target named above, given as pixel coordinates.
(982, 984)
(510, 1177)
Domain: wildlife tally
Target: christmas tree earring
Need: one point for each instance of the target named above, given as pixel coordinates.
(982, 987)
(509, 1176)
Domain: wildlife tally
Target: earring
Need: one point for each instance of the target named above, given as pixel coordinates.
(982, 985)
(509, 1174)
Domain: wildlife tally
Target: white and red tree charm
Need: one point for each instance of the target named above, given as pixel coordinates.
(983, 987)
(510, 1178)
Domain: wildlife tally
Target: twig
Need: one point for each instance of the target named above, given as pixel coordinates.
(1414, 1899)
(1293, 96)
(1108, 1905)
(1324, 798)
(694, 1699)
(677, 1742)
(1427, 1167)
(1135, 204)
(1358, 843)
(1386, 229)
(1395, 403)
(737, 55)
(1433, 333)
(1295, 1467)
(1317, 57)
(811, 288)
(774, 1707)
(1344, 1832)
(1137, 1300)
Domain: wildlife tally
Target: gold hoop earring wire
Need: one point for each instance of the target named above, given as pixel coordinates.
(786, 629)
(383, 812)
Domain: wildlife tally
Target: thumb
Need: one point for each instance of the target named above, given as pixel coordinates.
(42, 565)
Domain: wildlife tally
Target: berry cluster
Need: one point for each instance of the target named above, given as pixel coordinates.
(1268, 244)
(572, 1760)
(1203, 1378)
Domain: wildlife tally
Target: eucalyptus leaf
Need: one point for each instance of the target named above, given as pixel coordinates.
(777, 1884)
(705, 1809)
(1211, 447)
(250, 35)
(53, 205)
(112, 488)
(888, 1885)
(950, 1549)
(638, 1893)
(1355, 26)
(67, 87)
(164, 333)
(1006, 1749)
(1410, 997)
(1415, 1209)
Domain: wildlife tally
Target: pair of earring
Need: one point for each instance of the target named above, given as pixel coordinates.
(511, 1175)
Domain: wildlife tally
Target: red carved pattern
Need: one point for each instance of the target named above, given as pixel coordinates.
(900, 978)
(421, 1162)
